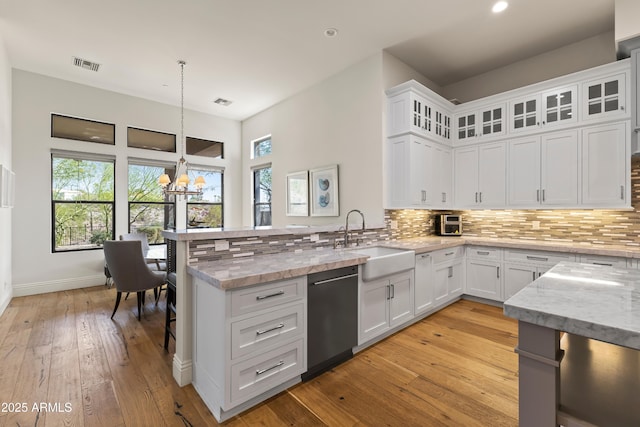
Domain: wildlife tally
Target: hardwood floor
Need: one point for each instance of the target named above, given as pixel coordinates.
(61, 350)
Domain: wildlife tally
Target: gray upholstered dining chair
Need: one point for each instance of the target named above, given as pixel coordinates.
(129, 270)
(155, 264)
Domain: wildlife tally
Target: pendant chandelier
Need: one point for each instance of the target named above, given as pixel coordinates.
(180, 184)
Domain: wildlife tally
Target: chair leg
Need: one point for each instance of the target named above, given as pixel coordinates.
(118, 296)
(140, 296)
(167, 320)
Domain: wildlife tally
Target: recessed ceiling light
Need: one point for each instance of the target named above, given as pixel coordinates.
(331, 32)
(223, 102)
(499, 6)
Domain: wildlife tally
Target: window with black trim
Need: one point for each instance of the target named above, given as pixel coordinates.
(205, 148)
(82, 201)
(82, 129)
(150, 211)
(151, 140)
(262, 196)
(206, 210)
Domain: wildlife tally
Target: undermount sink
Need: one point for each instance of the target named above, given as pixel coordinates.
(385, 261)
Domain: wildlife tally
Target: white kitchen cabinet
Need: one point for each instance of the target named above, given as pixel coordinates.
(559, 106)
(543, 170)
(248, 343)
(605, 165)
(481, 123)
(443, 125)
(419, 173)
(484, 273)
(522, 267)
(635, 90)
(524, 113)
(384, 304)
(608, 261)
(605, 97)
(480, 176)
(423, 284)
(448, 274)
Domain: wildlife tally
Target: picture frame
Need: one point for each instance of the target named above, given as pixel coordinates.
(298, 193)
(323, 183)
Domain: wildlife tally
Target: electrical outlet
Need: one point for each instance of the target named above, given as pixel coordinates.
(535, 225)
(221, 245)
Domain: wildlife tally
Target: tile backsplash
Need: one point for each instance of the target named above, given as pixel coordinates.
(606, 227)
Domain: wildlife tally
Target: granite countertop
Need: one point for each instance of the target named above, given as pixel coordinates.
(593, 301)
(236, 273)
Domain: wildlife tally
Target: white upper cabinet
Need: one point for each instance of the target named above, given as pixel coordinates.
(605, 97)
(480, 124)
(414, 108)
(605, 165)
(543, 170)
(524, 113)
(480, 176)
(559, 106)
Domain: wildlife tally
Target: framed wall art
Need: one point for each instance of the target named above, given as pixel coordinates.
(298, 194)
(324, 191)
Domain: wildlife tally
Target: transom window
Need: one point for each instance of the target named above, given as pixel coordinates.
(261, 147)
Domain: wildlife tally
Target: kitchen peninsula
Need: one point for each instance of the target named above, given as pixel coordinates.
(214, 265)
(587, 380)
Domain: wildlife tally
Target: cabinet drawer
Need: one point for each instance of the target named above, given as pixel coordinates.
(481, 252)
(259, 332)
(255, 298)
(266, 371)
(443, 255)
(604, 260)
(538, 257)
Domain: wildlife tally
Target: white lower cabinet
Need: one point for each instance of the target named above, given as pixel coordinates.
(248, 343)
(448, 274)
(517, 276)
(384, 304)
(608, 261)
(484, 273)
(423, 284)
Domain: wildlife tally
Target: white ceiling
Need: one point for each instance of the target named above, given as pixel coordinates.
(259, 52)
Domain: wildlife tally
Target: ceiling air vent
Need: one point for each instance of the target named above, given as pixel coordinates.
(223, 102)
(87, 65)
(455, 101)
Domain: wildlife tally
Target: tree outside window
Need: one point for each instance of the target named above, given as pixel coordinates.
(261, 147)
(206, 210)
(262, 196)
(83, 204)
(149, 211)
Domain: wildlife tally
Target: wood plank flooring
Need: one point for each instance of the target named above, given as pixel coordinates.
(63, 362)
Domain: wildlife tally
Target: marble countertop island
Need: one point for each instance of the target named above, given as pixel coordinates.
(235, 273)
(592, 301)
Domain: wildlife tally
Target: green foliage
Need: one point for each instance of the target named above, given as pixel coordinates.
(99, 237)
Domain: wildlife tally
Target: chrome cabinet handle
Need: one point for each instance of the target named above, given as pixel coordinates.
(480, 197)
(264, 331)
(449, 253)
(537, 258)
(261, 297)
(537, 195)
(534, 275)
(543, 194)
(393, 292)
(482, 252)
(498, 272)
(476, 197)
(622, 192)
(450, 272)
(603, 263)
(262, 371)
(388, 290)
(444, 197)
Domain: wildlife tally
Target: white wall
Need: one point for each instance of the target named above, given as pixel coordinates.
(35, 268)
(5, 160)
(627, 15)
(396, 72)
(338, 121)
(588, 53)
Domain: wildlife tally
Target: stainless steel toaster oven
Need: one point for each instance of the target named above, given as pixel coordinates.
(449, 225)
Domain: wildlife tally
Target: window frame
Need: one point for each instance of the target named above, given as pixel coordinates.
(201, 203)
(256, 142)
(81, 119)
(254, 192)
(81, 156)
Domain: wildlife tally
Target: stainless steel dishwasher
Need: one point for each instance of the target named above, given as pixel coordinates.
(332, 319)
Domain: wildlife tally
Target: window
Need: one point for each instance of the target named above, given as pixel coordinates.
(261, 147)
(82, 129)
(151, 140)
(262, 196)
(206, 210)
(205, 148)
(82, 201)
(149, 211)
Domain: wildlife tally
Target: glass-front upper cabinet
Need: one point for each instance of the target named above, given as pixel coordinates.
(604, 97)
(525, 113)
(482, 123)
(559, 106)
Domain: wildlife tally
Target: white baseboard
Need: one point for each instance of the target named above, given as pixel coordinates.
(5, 302)
(24, 289)
(182, 371)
